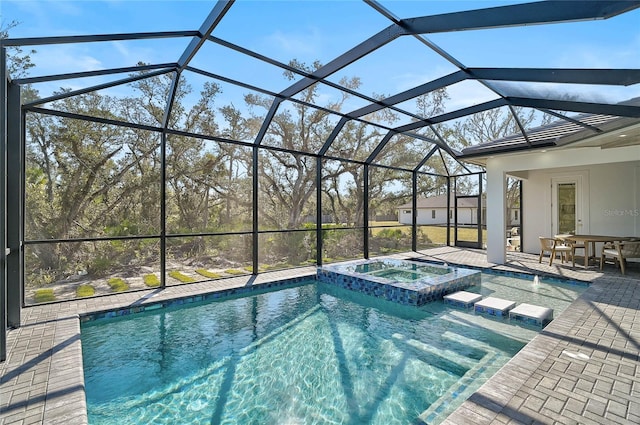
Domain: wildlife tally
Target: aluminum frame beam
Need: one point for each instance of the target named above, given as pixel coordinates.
(108, 121)
(170, 98)
(544, 12)
(14, 197)
(40, 41)
(616, 77)
(334, 133)
(425, 159)
(96, 88)
(126, 124)
(575, 106)
(3, 202)
(571, 120)
(207, 27)
(444, 163)
(380, 39)
(96, 73)
(380, 146)
(519, 124)
(296, 71)
(459, 113)
(431, 86)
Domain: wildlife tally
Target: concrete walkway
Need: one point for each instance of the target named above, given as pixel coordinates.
(584, 368)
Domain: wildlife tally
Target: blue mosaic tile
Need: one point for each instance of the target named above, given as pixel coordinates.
(491, 311)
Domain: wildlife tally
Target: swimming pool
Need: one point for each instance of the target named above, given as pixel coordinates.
(307, 354)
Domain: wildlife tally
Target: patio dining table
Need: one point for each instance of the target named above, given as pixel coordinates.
(588, 240)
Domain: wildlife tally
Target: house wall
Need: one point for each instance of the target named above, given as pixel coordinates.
(465, 216)
(610, 189)
(424, 216)
(512, 220)
(610, 195)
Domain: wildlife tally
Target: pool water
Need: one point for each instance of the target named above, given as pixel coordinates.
(310, 354)
(403, 271)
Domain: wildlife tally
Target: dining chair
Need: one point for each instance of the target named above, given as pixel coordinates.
(554, 246)
(565, 240)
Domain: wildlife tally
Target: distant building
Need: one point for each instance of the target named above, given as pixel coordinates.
(433, 210)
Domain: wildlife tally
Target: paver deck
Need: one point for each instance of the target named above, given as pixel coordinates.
(583, 368)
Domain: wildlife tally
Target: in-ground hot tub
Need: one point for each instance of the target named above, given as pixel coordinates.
(401, 281)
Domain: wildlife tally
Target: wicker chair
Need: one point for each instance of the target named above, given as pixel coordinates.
(620, 252)
(554, 246)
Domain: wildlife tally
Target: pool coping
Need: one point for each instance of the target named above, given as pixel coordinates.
(42, 378)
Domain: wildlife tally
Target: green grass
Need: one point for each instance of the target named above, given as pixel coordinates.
(118, 284)
(181, 277)
(437, 234)
(44, 295)
(85, 291)
(151, 280)
(235, 271)
(261, 268)
(207, 273)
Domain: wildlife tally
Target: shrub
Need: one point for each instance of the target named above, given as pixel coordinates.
(234, 271)
(390, 233)
(151, 280)
(207, 273)
(85, 291)
(44, 295)
(181, 277)
(118, 284)
(99, 266)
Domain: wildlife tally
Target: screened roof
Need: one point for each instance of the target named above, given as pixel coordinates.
(425, 78)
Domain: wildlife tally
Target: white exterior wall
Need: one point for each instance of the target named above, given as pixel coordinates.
(465, 216)
(611, 201)
(424, 216)
(468, 216)
(512, 217)
(496, 215)
(610, 192)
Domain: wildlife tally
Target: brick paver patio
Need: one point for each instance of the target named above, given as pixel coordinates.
(583, 368)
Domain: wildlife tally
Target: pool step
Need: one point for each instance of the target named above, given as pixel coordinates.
(524, 313)
(450, 359)
(462, 390)
(462, 299)
(530, 314)
(494, 306)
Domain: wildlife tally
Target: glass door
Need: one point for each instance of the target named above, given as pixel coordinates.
(566, 204)
(566, 208)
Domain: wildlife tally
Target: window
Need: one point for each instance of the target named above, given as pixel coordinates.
(515, 214)
(433, 213)
(406, 212)
(450, 214)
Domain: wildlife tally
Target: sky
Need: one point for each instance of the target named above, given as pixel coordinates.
(321, 30)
